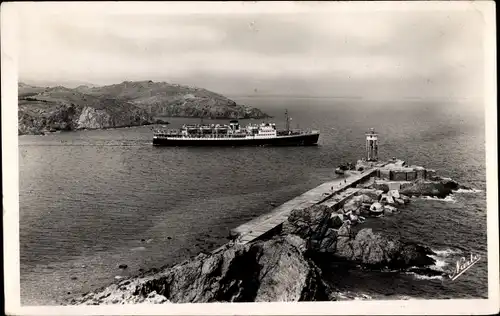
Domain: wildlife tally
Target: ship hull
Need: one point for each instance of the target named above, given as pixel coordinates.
(289, 140)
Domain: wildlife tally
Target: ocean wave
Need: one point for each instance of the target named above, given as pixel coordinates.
(347, 295)
(468, 191)
(446, 252)
(425, 277)
(138, 249)
(363, 297)
(440, 264)
(406, 297)
(449, 198)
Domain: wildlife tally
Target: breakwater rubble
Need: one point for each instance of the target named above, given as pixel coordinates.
(289, 264)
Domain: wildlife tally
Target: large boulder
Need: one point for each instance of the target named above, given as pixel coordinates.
(413, 255)
(329, 242)
(309, 224)
(394, 193)
(378, 251)
(405, 199)
(384, 187)
(387, 199)
(399, 201)
(344, 238)
(365, 198)
(272, 270)
(352, 205)
(355, 203)
(429, 188)
(451, 184)
(388, 210)
(353, 218)
(371, 193)
(337, 220)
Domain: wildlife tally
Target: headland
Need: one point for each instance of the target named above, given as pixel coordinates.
(130, 103)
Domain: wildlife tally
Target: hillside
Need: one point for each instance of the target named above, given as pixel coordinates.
(125, 104)
(164, 99)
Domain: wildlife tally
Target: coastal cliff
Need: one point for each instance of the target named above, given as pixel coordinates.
(126, 104)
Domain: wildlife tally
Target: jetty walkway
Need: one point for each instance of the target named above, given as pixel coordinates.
(329, 193)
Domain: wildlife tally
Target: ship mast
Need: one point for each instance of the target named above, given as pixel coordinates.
(287, 120)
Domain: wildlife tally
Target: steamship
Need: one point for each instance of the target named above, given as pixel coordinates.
(232, 134)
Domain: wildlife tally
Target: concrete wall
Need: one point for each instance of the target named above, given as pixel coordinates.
(398, 175)
(420, 173)
(395, 171)
(394, 186)
(385, 174)
(411, 175)
(405, 185)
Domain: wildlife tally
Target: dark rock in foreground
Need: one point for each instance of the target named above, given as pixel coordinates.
(273, 270)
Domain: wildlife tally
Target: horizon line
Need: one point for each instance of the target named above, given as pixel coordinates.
(54, 84)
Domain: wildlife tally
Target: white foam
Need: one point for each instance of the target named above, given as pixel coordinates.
(361, 296)
(440, 264)
(446, 252)
(138, 249)
(425, 277)
(449, 198)
(468, 191)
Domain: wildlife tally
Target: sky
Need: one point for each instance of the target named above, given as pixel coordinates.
(368, 53)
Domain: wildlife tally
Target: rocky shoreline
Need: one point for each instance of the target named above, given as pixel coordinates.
(290, 264)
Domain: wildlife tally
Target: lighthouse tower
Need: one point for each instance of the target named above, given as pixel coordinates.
(371, 145)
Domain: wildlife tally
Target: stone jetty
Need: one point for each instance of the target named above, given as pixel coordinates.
(330, 193)
(389, 177)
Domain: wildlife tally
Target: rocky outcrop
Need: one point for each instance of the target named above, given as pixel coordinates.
(375, 250)
(389, 210)
(440, 188)
(384, 187)
(373, 194)
(312, 224)
(281, 269)
(92, 118)
(370, 249)
(273, 270)
(62, 109)
(40, 120)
